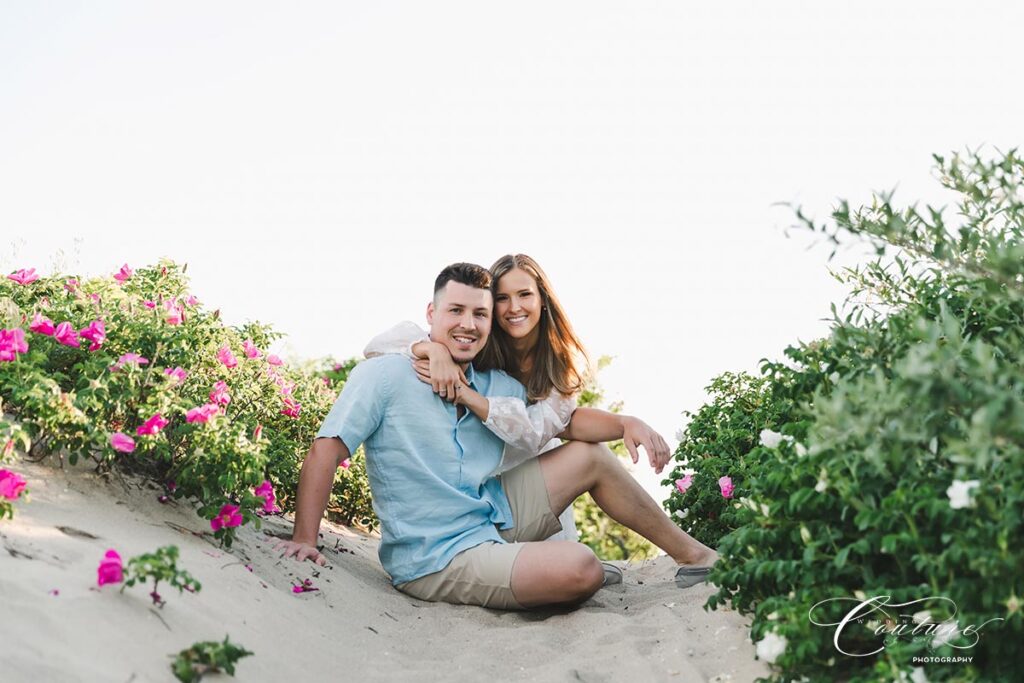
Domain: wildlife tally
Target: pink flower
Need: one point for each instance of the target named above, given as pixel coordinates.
(286, 387)
(177, 373)
(71, 285)
(66, 334)
(128, 358)
(152, 426)
(123, 274)
(11, 484)
(345, 464)
(203, 413)
(257, 433)
(725, 484)
(41, 325)
(94, 333)
(229, 516)
(304, 587)
(291, 407)
(250, 349)
(149, 303)
(12, 342)
(23, 277)
(8, 448)
(220, 394)
(110, 570)
(95, 298)
(225, 356)
(192, 301)
(274, 360)
(122, 442)
(174, 313)
(266, 491)
(338, 366)
(684, 483)
(327, 381)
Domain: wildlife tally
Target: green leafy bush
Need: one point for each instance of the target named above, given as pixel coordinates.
(903, 471)
(191, 664)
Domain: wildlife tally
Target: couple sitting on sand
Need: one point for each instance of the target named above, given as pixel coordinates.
(473, 490)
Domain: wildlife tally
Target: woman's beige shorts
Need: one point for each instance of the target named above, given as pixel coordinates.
(482, 575)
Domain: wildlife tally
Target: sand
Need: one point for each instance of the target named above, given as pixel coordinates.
(356, 627)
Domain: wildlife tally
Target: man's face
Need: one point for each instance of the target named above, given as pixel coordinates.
(460, 318)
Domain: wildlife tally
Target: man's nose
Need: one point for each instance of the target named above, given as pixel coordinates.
(468, 321)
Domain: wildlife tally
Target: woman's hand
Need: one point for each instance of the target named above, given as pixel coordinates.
(440, 372)
(636, 432)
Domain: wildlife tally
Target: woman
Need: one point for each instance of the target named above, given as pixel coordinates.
(533, 341)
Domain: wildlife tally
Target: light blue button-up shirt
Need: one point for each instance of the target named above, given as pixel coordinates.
(428, 469)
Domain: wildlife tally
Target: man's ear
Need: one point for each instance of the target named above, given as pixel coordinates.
(430, 313)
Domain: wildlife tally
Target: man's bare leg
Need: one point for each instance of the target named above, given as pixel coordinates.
(555, 572)
(576, 467)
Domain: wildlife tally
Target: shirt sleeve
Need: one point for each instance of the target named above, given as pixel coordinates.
(359, 409)
(526, 429)
(398, 339)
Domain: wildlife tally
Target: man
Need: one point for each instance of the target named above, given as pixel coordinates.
(449, 531)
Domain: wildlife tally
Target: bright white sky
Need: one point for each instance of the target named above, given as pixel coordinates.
(317, 163)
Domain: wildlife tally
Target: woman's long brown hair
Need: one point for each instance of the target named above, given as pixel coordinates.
(559, 359)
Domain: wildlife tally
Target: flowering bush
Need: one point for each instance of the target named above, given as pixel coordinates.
(886, 459)
(131, 371)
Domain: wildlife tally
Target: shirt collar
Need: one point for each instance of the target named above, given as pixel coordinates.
(471, 375)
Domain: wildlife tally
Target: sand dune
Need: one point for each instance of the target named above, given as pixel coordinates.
(355, 627)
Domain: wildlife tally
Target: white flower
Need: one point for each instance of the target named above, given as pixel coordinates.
(959, 493)
(765, 509)
(945, 633)
(805, 534)
(922, 616)
(679, 435)
(771, 646)
(822, 481)
(801, 450)
(770, 439)
(916, 676)
(834, 378)
(682, 514)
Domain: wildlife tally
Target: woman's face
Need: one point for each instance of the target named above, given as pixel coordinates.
(517, 304)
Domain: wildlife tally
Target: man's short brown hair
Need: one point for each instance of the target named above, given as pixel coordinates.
(464, 273)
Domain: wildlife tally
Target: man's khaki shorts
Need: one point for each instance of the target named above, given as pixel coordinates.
(482, 575)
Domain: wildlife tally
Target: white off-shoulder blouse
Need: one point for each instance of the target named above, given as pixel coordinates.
(527, 430)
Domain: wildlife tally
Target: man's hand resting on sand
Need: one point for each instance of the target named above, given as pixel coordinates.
(301, 551)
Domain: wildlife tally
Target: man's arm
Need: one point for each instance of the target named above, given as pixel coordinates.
(315, 481)
(596, 426)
